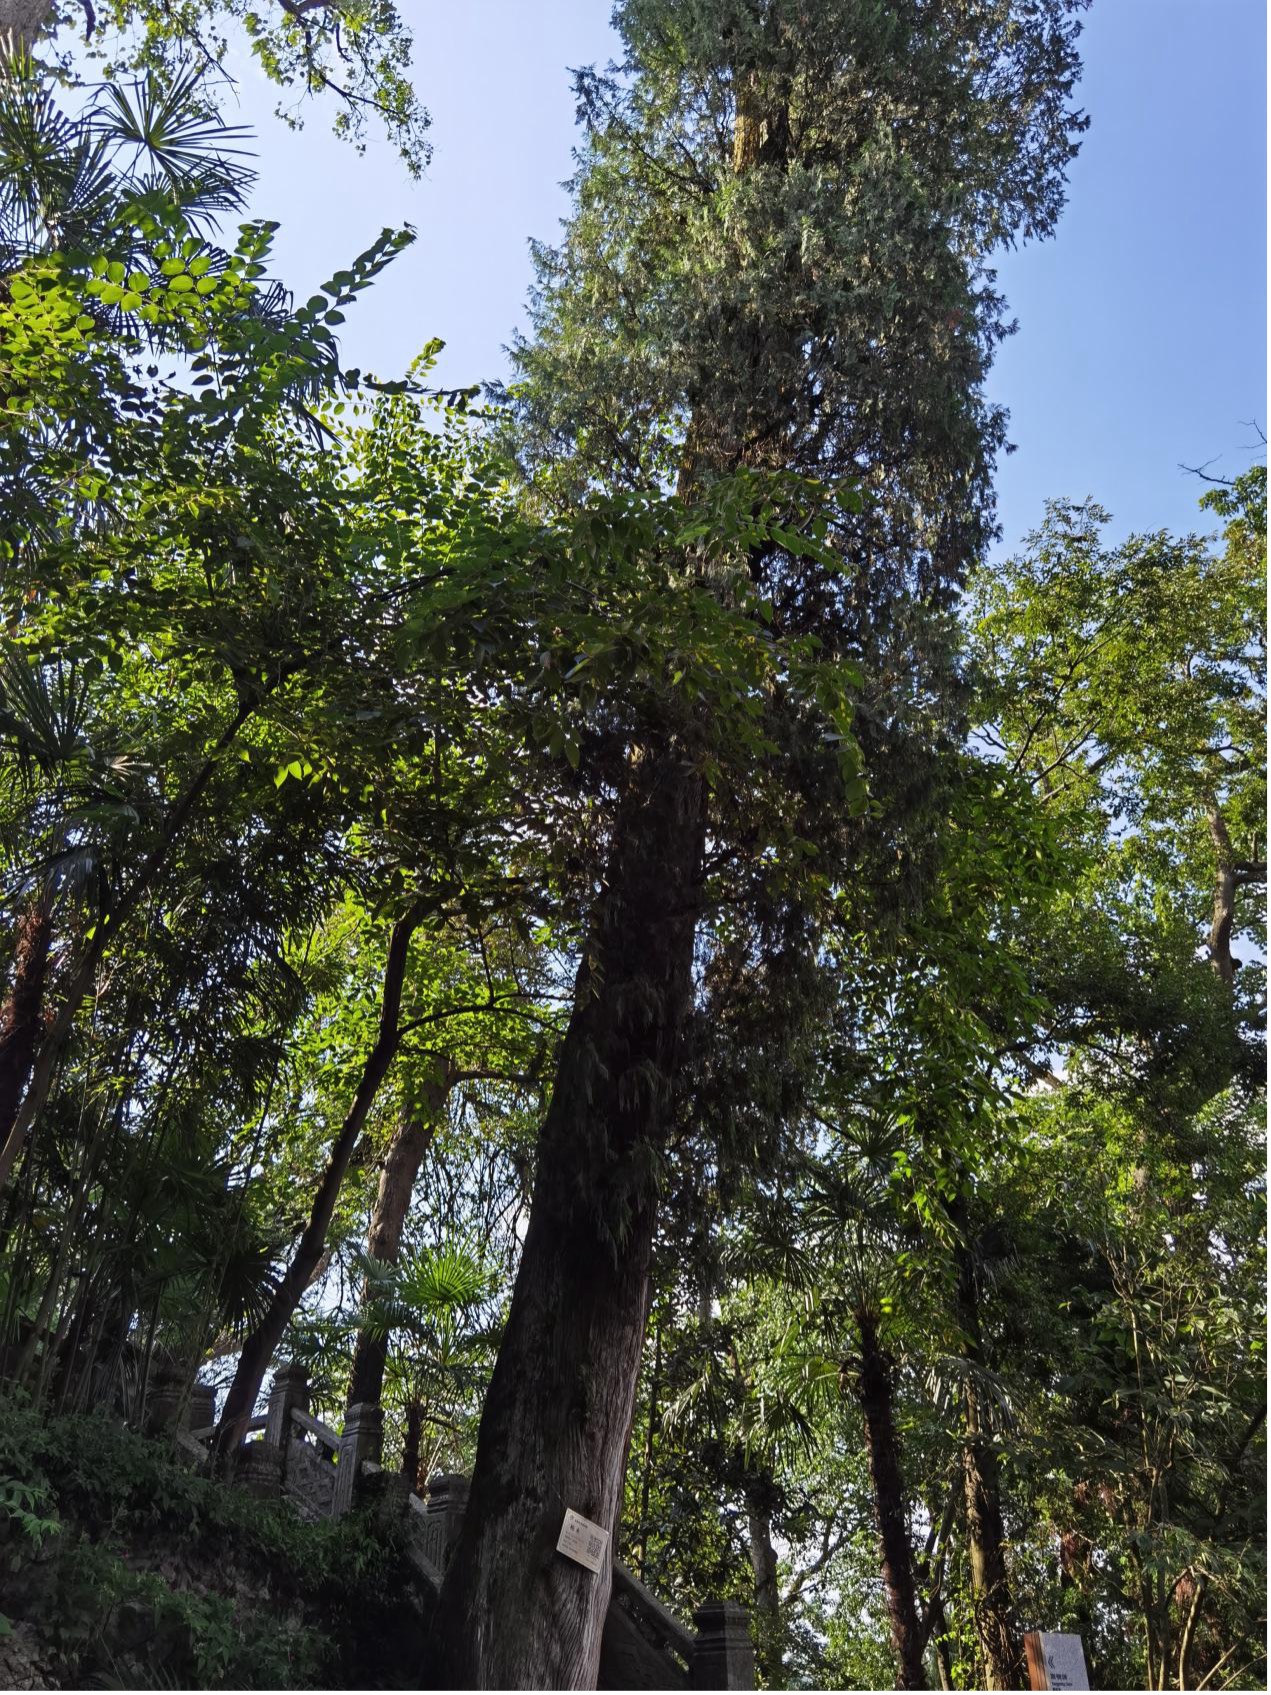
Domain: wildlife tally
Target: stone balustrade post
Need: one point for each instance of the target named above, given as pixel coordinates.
(363, 1439)
(165, 1397)
(290, 1393)
(387, 1494)
(446, 1505)
(201, 1411)
(258, 1470)
(723, 1655)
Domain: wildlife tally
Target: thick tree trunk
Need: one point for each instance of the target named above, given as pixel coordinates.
(21, 22)
(405, 1154)
(1000, 1640)
(874, 1391)
(258, 1350)
(22, 1016)
(557, 1418)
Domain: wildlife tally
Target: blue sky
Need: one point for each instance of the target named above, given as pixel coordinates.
(1142, 323)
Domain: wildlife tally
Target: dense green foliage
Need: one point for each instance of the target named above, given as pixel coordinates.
(141, 1575)
(323, 702)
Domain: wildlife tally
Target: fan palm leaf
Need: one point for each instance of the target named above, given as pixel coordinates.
(179, 143)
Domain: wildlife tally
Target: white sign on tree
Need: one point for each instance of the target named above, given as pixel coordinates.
(582, 1540)
(1055, 1660)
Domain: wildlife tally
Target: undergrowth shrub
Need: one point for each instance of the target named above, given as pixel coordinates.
(136, 1572)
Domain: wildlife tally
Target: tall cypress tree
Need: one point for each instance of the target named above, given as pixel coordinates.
(777, 261)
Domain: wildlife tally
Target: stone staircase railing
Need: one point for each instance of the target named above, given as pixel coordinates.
(291, 1455)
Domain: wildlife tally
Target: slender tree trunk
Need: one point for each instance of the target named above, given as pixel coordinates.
(994, 1613)
(412, 1446)
(1075, 1568)
(938, 1634)
(763, 1563)
(1224, 898)
(1200, 1581)
(69, 1238)
(557, 1418)
(405, 1154)
(999, 1636)
(85, 973)
(874, 1392)
(22, 1016)
(650, 1441)
(258, 1349)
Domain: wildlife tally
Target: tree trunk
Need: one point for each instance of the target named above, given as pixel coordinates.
(84, 975)
(939, 1633)
(1200, 1583)
(874, 1392)
(1075, 1557)
(999, 1638)
(413, 1444)
(557, 1418)
(990, 1591)
(651, 1435)
(22, 1017)
(763, 1563)
(21, 22)
(405, 1154)
(258, 1349)
(1224, 898)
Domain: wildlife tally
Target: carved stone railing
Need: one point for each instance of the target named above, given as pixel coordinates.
(645, 1646)
(297, 1457)
(309, 1470)
(433, 1525)
(324, 1474)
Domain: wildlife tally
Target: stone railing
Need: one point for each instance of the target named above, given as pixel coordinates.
(286, 1452)
(289, 1454)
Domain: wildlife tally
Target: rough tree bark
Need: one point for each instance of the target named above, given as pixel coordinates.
(874, 1392)
(22, 1016)
(21, 22)
(258, 1349)
(1000, 1640)
(557, 1417)
(405, 1154)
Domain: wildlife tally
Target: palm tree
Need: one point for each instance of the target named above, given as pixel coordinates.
(81, 180)
(431, 1304)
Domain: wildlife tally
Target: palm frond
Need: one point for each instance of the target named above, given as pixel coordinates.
(55, 177)
(180, 139)
(950, 1376)
(43, 710)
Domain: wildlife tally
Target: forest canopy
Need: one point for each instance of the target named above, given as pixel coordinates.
(604, 918)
